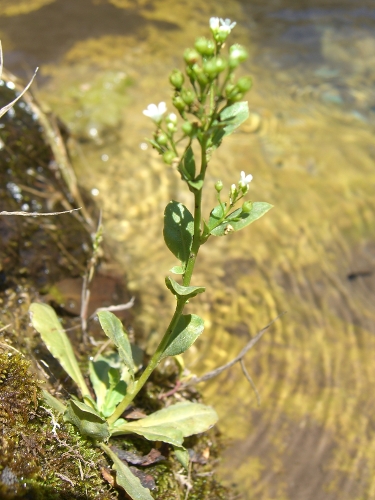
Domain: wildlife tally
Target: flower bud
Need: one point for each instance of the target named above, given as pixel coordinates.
(187, 128)
(168, 157)
(219, 186)
(244, 84)
(247, 207)
(191, 56)
(205, 47)
(202, 79)
(171, 127)
(187, 96)
(237, 97)
(190, 73)
(214, 66)
(171, 118)
(178, 103)
(161, 139)
(237, 55)
(230, 90)
(177, 79)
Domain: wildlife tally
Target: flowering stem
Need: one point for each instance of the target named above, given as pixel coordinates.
(154, 361)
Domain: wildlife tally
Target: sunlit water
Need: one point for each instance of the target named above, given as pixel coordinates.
(310, 147)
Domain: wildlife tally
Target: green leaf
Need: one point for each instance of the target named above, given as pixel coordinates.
(235, 115)
(178, 230)
(125, 478)
(182, 456)
(113, 328)
(45, 321)
(171, 424)
(53, 402)
(88, 421)
(216, 215)
(177, 270)
(183, 291)
(237, 220)
(186, 332)
(188, 164)
(107, 384)
(161, 432)
(196, 183)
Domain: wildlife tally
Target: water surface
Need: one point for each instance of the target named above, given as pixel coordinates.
(309, 145)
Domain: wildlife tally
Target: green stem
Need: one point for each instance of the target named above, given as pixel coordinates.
(128, 398)
(154, 361)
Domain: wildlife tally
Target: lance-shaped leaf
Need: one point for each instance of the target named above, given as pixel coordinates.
(182, 456)
(186, 332)
(125, 478)
(171, 424)
(107, 384)
(45, 321)
(188, 164)
(183, 291)
(178, 230)
(238, 220)
(113, 328)
(87, 420)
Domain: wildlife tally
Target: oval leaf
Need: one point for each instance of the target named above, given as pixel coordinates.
(164, 433)
(183, 291)
(113, 328)
(45, 321)
(125, 478)
(87, 420)
(178, 230)
(237, 220)
(235, 115)
(186, 332)
(182, 419)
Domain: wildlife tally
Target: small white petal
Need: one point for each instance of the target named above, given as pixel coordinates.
(214, 23)
(227, 25)
(155, 112)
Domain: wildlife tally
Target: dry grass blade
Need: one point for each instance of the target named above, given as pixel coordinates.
(11, 104)
(37, 214)
(239, 357)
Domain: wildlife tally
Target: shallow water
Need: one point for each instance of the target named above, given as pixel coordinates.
(309, 145)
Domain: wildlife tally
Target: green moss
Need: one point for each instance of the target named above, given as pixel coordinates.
(38, 461)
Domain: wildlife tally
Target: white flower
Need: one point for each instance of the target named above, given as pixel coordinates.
(214, 23)
(155, 112)
(245, 180)
(226, 25)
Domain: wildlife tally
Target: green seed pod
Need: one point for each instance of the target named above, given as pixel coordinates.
(162, 139)
(187, 96)
(219, 186)
(168, 157)
(247, 207)
(178, 103)
(191, 56)
(205, 47)
(177, 79)
(244, 84)
(187, 128)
